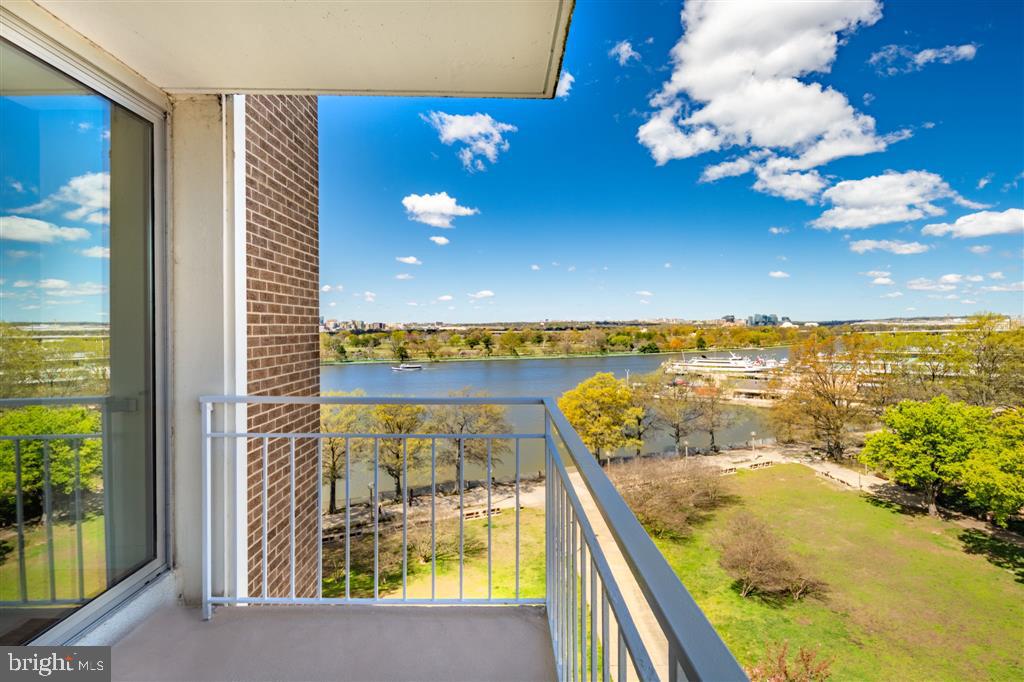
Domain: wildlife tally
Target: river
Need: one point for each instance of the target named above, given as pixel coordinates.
(528, 377)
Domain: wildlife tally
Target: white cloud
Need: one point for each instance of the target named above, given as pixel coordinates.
(892, 294)
(668, 265)
(980, 249)
(483, 293)
(571, 268)
(981, 224)
(325, 288)
(368, 296)
(895, 59)
(736, 82)
(868, 98)
(968, 301)
(778, 230)
(403, 276)
(925, 284)
(409, 260)
(778, 274)
(22, 283)
(535, 267)
(440, 241)
(83, 126)
(62, 288)
(726, 169)
(887, 198)
(1016, 286)
(86, 198)
(564, 84)
(882, 281)
(332, 304)
(643, 293)
(446, 297)
(951, 278)
(996, 275)
(17, 186)
(623, 51)
(412, 303)
(97, 252)
(437, 210)
(985, 180)
(895, 246)
(481, 136)
(21, 229)
(876, 273)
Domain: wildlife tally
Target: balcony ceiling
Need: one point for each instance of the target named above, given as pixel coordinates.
(468, 48)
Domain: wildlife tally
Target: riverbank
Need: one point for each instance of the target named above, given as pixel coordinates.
(559, 356)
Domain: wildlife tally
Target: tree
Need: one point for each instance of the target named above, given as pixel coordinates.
(600, 409)
(464, 420)
(825, 379)
(701, 342)
(988, 362)
(668, 497)
(993, 476)
(511, 341)
(712, 412)
(397, 343)
(341, 419)
(649, 347)
(675, 411)
(925, 444)
(38, 420)
(488, 342)
(335, 345)
(399, 419)
(22, 362)
(644, 390)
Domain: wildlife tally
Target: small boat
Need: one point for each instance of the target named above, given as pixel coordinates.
(406, 367)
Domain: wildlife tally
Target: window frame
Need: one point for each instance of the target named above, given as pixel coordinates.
(63, 59)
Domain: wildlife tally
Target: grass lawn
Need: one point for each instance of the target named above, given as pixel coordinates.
(37, 566)
(908, 599)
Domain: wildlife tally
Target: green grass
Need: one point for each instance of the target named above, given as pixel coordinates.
(37, 567)
(909, 597)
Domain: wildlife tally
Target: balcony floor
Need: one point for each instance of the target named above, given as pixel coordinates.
(359, 643)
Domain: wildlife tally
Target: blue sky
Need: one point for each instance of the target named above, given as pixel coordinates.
(816, 160)
(54, 200)
(928, 131)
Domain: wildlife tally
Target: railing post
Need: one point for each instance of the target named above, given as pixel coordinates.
(205, 411)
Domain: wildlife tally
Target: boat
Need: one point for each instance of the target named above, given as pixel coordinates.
(734, 364)
(406, 367)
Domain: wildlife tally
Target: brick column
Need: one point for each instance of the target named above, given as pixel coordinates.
(282, 289)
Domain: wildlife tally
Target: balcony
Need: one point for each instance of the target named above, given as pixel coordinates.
(456, 585)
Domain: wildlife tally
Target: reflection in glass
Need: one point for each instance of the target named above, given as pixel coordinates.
(76, 428)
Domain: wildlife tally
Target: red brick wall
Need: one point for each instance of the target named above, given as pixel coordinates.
(282, 263)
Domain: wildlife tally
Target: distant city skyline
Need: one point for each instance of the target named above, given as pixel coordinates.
(839, 161)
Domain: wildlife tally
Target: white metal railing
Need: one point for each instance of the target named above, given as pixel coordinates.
(593, 622)
(46, 440)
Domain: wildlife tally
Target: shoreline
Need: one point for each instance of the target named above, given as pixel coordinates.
(560, 356)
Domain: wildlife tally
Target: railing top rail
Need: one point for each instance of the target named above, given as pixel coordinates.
(366, 400)
(702, 653)
(58, 400)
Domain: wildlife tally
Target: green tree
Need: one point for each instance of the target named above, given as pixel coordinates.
(399, 419)
(398, 348)
(22, 363)
(39, 420)
(649, 347)
(925, 444)
(334, 344)
(510, 342)
(341, 419)
(463, 420)
(988, 361)
(993, 476)
(601, 409)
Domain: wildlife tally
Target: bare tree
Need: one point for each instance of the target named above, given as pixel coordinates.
(712, 412)
(341, 419)
(675, 411)
(464, 420)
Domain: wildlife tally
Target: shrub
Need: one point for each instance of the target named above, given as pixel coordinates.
(777, 667)
(668, 496)
(758, 562)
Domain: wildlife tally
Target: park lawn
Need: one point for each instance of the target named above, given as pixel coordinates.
(37, 570)
(906, 600)
(531, 562)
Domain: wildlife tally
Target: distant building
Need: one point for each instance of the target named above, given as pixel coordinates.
(810, 324)
(762, 320)
(729, 318)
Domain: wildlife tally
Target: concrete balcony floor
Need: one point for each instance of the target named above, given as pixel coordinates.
(357, 642)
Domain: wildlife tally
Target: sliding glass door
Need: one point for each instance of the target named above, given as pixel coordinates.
(77, 433)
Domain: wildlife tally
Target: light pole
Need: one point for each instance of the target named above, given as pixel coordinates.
(686, 444)
(753, 446)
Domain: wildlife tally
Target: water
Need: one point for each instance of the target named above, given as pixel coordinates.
(531, 378)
